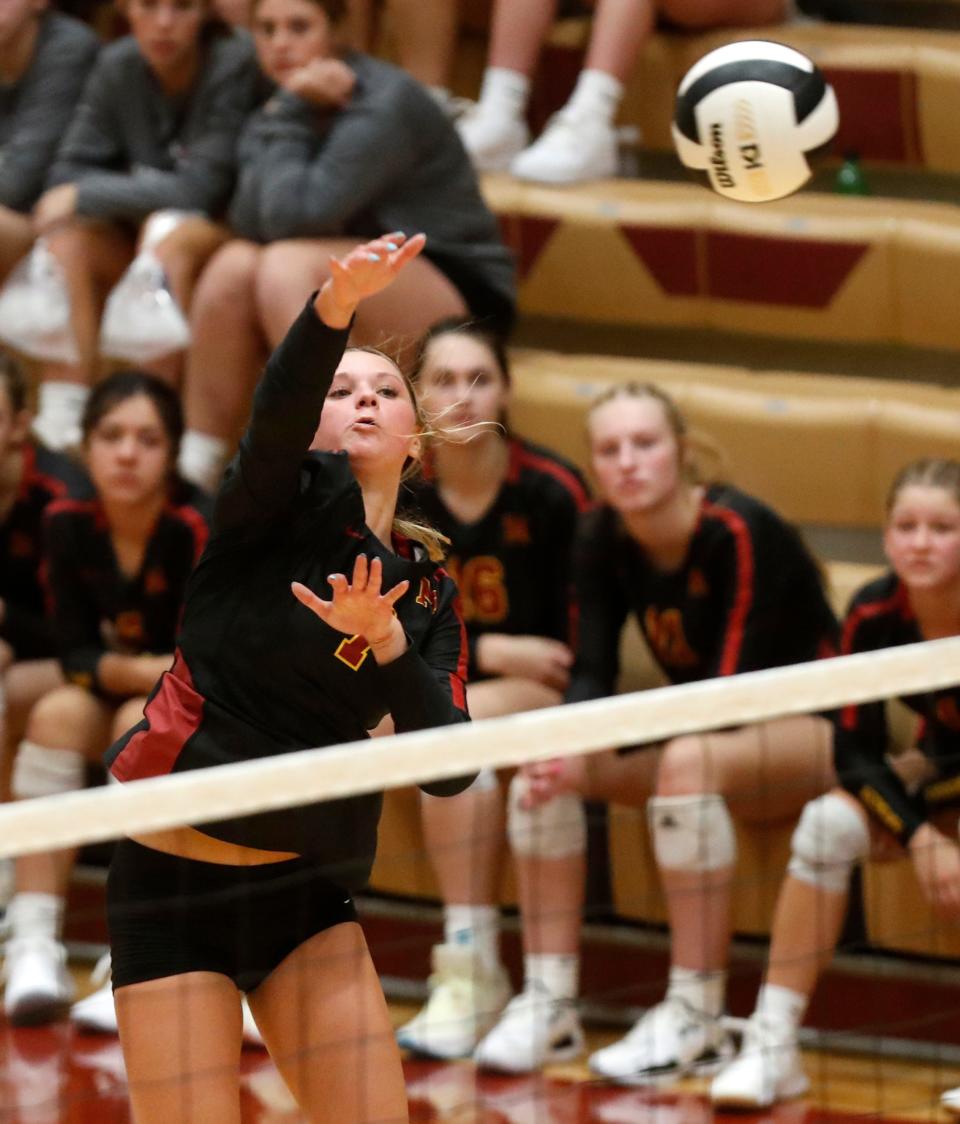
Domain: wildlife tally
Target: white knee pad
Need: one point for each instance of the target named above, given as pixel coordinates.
(40, 771)
(692, 833)
(830, 839)
(554, 830)
(484, 781)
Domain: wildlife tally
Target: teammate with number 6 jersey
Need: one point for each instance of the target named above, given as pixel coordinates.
(510, 511)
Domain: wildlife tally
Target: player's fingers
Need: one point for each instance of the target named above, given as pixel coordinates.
(338, 583)
(392, 596)
(408, 251)
(307, 597)
(360, 572)
(375, 575)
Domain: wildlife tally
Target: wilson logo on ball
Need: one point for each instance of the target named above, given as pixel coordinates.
(752, 115)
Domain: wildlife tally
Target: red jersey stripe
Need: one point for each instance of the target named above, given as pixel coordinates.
(529, 459)
(743, 597)
(855, 618)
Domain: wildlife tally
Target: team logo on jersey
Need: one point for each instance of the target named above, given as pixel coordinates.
(483, 589)
(427, 595)
(515, 530)
(697, 584)
(155, 581)
(352, 651)
(665, 635)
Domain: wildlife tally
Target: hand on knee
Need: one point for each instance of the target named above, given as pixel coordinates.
(936, 860)
(692, 833)
(831, 837)
(555, 829)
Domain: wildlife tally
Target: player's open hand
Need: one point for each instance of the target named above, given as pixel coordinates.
(364, 271)
(358, 607)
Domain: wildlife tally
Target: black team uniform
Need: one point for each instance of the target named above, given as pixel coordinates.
(95, 607)
(747, 596)
(880, 617)
(46, 477)
(257, 674)
(513, 565)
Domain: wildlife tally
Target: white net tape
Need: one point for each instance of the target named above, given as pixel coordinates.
(371, 765)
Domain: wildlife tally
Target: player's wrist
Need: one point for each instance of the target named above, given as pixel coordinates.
(331, 309)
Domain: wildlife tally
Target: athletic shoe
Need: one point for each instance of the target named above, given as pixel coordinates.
(571, 149)
(251, 1032)
(465, 1000)
(492, 139)
(768, 1068)
(535, 1030)
(950, 1101)
(96, 1013)
(39, 989)
(671, 1041)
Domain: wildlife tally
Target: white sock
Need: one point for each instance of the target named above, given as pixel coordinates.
(597, 96)
(782, 1005)
(202, 459)
(35, 915)
(504, 91)
(59, 412)
(476, 926)
(558, 972)
(703, 991)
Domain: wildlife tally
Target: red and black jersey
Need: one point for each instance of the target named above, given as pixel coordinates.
(258, 674)
(879, 617)
(513, 564)
(46, 477)
(95, 607)
(747, 596)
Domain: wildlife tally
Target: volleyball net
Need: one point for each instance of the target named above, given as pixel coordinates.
(656, 715)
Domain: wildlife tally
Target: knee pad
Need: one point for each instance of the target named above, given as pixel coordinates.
(830, 839)
(39, 771)
(555, 830)
(693, 833)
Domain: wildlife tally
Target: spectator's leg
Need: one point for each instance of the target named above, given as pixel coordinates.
(93, 256)
(425, 32)
(16, 238)
(183, 254)
(66, 729)
(580, 142)
(393, 319)
(225, 356)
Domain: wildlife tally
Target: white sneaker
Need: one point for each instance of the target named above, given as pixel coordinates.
(950, 1101)
(671, 1041)
(39, 988)
(571, 149)
(534, 1030)
(97, 1013)
(465, 1001)
(492, 139)
(251, 1032)
(767, 1069)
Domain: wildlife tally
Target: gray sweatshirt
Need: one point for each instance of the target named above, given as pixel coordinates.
(131, 149)
(35, 111)
(388, 160)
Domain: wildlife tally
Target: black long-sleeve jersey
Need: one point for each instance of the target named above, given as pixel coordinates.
(95, 607)
(747, 596)
(256, 673)
(46, 477)
(513, 565)
(879, 617)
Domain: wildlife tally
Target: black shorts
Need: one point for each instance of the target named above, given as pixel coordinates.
(170, 915)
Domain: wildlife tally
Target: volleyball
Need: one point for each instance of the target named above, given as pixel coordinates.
(751, 115)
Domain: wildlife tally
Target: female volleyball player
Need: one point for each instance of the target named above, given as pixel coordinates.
(509, 509)
(877, 813)
(262, 903)
(117, 567)
(719, 585)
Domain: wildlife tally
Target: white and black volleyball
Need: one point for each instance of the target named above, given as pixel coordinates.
(750, 115)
